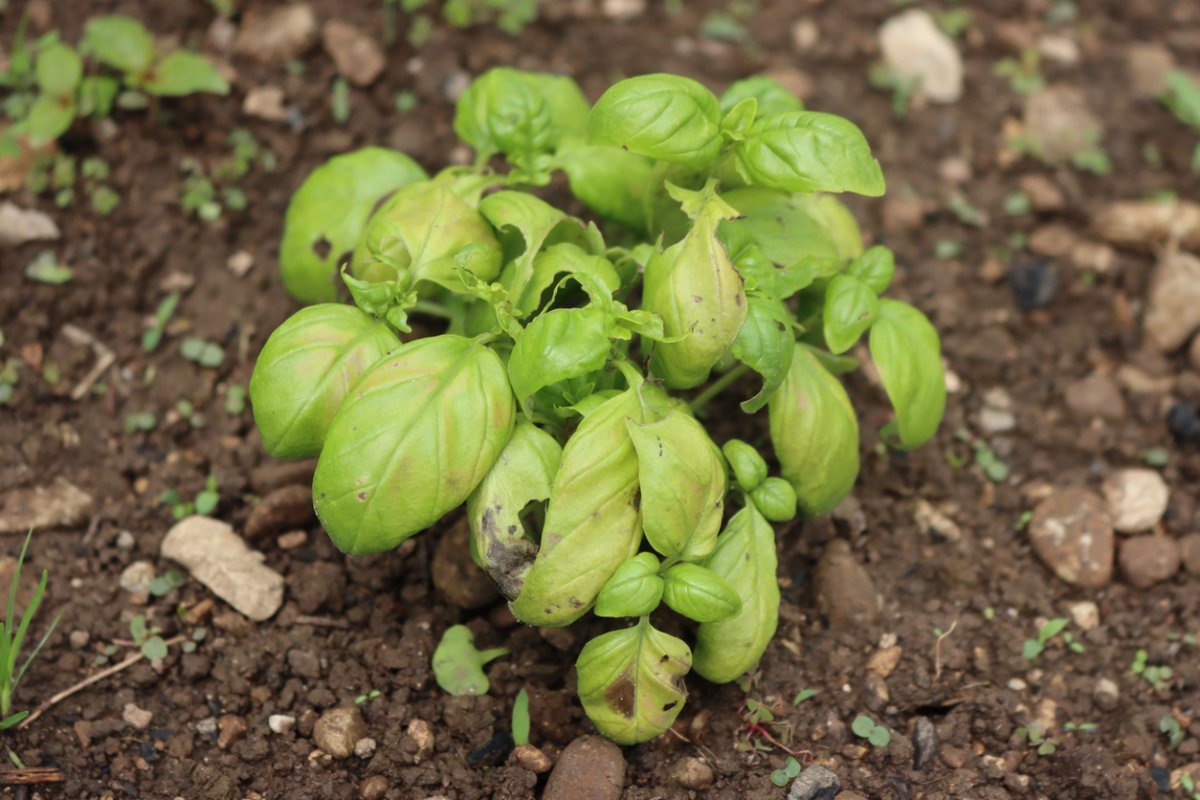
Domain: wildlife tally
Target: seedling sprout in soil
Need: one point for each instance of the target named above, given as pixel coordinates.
(564, 400)
(12, 638)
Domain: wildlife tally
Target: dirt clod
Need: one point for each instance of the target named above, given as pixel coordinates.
(1147, 560)
(844, 588)
(283, 509)
(459, 580)
(1073, 536)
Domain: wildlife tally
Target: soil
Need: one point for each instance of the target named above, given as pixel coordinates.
(958, 607)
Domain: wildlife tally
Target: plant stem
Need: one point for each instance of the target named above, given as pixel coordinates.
(433, 309)
(716, 387)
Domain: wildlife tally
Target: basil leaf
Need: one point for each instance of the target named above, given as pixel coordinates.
(421, 231)
(770, 95)
(305, 371)
(525, 224)
(747, 464)
(700, 594)
(592, 520)
(775, 499)
(438, 412)
(907, 351)
(851, 307)
(815, 434)
(521, 114)
(667, 117)
(682, 479)
(807, 151)
(560, 344)
(745, 558)
(874, 268)
(630, 682)
(634, 590)
(184, 72)
(327, 215)
(120, 42)
(50, 117)
(458, 664)
(792, 229)
(608, 180)
(737, 120)
(765, 344)
(521, 475)
(590, 270)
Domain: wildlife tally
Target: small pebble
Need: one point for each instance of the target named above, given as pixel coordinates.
(815, 783)
(232, 728)
(1072, 535)
(421, 733)
(79, 639)
(365, 748)
(125, 540)
(845, 592)
(1137, 499)
(925, 743)
(281, 723)
(1106, 694)
(1034, 284)
(1086, 615)
(1189, 551)
(291, 540)
(137, 577)
(531, 758)
(1183, 420)
(590, 768)
(1147, 560)
(137, 717)
(1095, 396)
(692, 773)
(338, 731)
(373, 787)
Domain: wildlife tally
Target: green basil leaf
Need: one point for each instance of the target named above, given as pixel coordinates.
(305, 371)
(765, 344)
(815, 434)
(667, 117)
(592, 520)
(792, 229)
(694, 287)
(747, 464)
(770, 95)
(458, 664)
(738, 119)
(775, 499)
(120, 42)
(59, 70)
(525, 224)
(560, 344)
(592, 271)
(328, 213)
(700, 594)
(421, 231)
(851, 307)
(807, 151)
(608, 180)
(631, 683)
(521, 114)
(522, 475)
(682, 478)
(49, 117)
(419, 432)
(745, 558)
(185, 72)
(634, 590)
(908, 353)
(875, 268)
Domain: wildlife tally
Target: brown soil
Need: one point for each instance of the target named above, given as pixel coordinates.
(985, 591)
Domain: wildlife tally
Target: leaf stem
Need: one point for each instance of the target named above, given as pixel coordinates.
(433, 309)
(716, 387)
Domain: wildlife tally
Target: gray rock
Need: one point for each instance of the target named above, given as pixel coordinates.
(914, 47)
(338, 731)
(925, 743)
(815, 783)
(1073, 536)
(590, 768)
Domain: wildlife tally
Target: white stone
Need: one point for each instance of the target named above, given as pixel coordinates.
(137, 577)
(365, 748)
(1137, 499)
(914, 47)
(19, 225)
(281, 723)
(137, 717)
(1173, 302)
(221, 560)
(1086, 615)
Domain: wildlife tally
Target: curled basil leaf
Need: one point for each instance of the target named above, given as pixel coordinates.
(815, 434)
(745, 558)
(694, 287)
(875, 268)
(749, 468)
(770, 96)
(700, 594)
(634, 590)
(327, 215)
(907, 351)
(592, 520)
(775, 499)
(305, 370)
(667, 117)
(561, 344)
(765, 344)
(421, 231)
(851, 307)
(418, 433)
(807, 151)
(682, 478)
(631, 682)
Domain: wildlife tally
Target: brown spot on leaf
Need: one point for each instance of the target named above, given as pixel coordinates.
(620, 696)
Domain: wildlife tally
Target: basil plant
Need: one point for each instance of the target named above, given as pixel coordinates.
(546, 366)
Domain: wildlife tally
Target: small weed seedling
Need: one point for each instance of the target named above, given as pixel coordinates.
(205, 502)
(199, 351)
(866, 728)
(1183, 99)
(762, 730)
(1159, 677)
(804, 694)
(1025, 74)
(791, 769)
(1034, 647)
(367, 697)
(563, 402)
(458, 664)
(1037, 738)
(510, 16)
(1188, 784)
(148, 639)
(1174, 731)
(209, 193)
(153, 335)
(12, 638)
(520, 719)
(902, 88)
